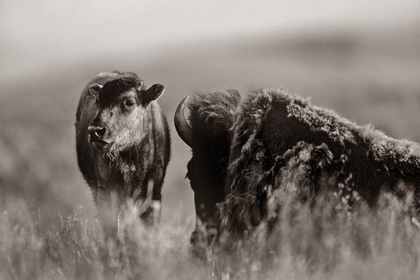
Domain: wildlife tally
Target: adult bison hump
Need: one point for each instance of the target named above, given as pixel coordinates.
(123, 144)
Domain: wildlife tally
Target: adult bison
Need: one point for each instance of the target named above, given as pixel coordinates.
(123, 144)
(248, 155)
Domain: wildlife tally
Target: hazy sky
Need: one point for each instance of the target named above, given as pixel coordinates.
(35, 33)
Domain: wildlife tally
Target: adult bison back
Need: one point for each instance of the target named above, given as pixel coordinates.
(123, 144)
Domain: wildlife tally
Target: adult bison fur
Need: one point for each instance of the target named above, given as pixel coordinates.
(282, 145)
(123, 144)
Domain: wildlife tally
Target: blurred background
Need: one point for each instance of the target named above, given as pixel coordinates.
(360, 58)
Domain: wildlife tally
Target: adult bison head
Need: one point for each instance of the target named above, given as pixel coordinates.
(119, 121)
(204, 123)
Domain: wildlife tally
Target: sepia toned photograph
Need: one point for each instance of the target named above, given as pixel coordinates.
(210, 139)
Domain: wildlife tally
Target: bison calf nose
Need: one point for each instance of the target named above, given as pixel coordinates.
(98, 131)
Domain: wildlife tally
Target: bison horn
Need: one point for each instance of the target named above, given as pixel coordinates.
(181, 124)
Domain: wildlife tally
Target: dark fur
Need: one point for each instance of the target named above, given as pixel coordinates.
(281, 142)
(126, 172)
(211, 117)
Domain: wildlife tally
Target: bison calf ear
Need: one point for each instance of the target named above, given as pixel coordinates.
(94, 89)
(153, 93)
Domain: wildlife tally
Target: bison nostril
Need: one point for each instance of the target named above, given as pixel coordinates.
(97, 131)
(100, 132)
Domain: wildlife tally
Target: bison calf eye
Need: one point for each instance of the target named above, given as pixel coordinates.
(129, 103)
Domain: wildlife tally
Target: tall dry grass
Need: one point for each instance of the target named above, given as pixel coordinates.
(326, 242)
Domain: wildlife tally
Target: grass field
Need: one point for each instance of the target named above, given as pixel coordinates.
(383, 244)
(369, 77)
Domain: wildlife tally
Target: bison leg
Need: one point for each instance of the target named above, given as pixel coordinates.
(108, 205)
(157, 193)
(150, 208)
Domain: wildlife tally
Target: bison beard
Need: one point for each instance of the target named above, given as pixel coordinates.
(282, 149)
(123, 145)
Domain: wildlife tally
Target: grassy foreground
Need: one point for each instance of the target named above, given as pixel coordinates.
(380, 244)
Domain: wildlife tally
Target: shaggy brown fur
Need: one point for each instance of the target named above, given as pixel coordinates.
(284, 143)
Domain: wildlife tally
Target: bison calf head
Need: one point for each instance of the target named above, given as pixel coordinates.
(121, 104)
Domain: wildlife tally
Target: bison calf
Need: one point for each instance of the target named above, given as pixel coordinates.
(123, 144)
